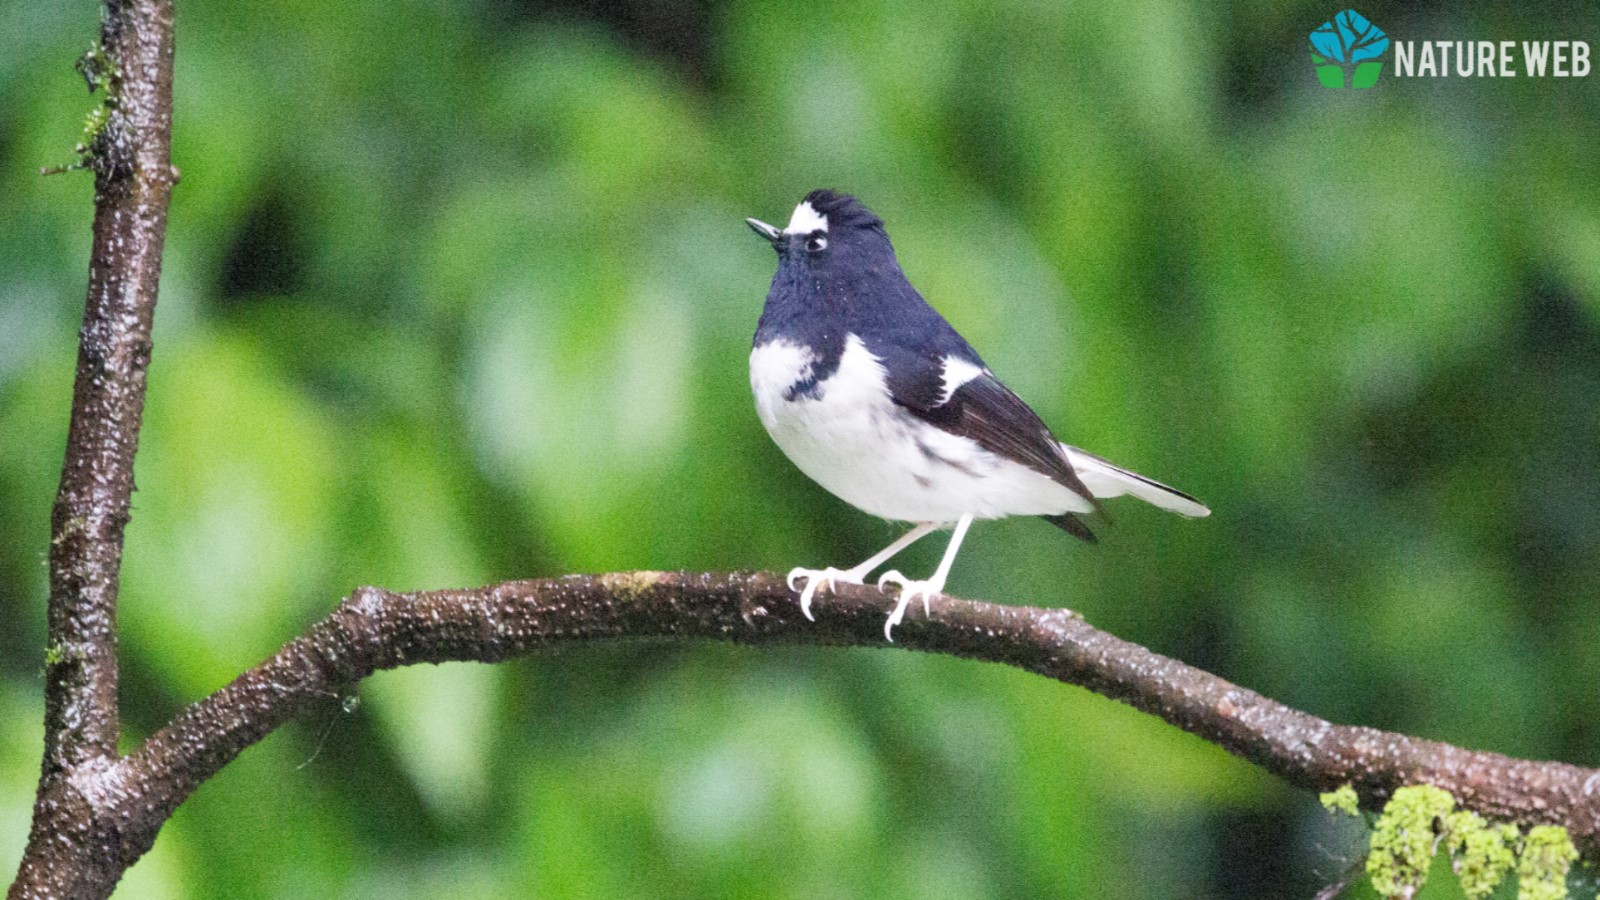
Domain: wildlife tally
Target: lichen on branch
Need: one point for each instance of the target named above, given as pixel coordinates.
(1419, 820)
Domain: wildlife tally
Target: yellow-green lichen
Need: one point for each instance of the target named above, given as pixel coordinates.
(1547, 854)
(96, 66)
(629, 585)
(71, 526)
(1404, 839)
(1482, 853)
(99, 70)
(93, 123)
(1419, 820)
(1342, 799)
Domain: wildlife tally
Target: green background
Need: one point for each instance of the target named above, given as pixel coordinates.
(459, 291)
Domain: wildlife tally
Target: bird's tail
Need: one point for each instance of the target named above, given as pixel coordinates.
(1106, 479)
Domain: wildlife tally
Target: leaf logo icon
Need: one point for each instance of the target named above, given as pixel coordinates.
(1345, 50)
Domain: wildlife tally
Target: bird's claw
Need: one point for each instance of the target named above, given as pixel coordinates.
(908, 591)
(815, 578)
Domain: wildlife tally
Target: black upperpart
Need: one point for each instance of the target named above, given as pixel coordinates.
(844, 279)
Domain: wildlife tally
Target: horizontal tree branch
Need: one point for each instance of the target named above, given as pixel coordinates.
(375, 629)
(96, 813)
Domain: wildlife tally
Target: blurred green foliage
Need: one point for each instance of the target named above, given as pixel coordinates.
(458, 290)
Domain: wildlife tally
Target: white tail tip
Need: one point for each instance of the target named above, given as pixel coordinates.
(1106, 479)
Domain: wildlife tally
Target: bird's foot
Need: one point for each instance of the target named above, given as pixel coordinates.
(909, 590)
(815, 578)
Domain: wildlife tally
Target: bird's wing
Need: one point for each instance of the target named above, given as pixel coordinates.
(955, 392)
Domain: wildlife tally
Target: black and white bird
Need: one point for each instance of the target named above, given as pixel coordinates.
(875, 397)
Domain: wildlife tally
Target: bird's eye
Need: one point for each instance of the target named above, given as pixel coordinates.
(816, 243)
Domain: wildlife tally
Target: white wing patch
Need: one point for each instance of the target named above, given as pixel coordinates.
(805, 220)
(957, 372)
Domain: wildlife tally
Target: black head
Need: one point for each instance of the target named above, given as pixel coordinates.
(837, 273)
(826, 229)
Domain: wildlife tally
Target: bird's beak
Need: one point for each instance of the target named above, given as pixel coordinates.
(763, 229)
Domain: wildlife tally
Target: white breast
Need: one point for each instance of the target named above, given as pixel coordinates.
(852, 439)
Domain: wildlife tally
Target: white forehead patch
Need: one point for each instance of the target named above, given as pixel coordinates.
(806, 220)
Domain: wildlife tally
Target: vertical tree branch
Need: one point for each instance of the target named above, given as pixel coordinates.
(132, 168)
(130, 154)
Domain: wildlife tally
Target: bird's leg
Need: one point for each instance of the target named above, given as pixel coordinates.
(815, 578)
(934, 585)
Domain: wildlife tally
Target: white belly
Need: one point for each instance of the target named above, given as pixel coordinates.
(853, 440)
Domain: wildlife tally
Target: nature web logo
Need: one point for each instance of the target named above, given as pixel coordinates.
(1345, 50)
